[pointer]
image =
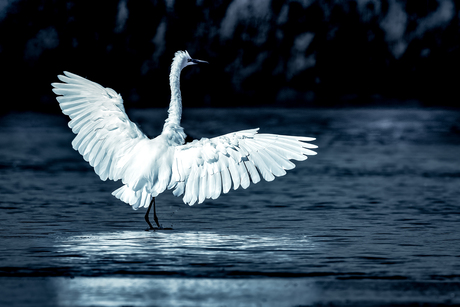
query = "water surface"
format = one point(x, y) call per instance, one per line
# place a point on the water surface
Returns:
point(380, 202)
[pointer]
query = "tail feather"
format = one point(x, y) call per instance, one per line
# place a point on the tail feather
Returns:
point(137, 199)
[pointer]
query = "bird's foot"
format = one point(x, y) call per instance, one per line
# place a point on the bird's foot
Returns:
point(159, 228)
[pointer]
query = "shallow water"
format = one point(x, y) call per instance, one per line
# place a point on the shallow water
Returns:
point(379, 202)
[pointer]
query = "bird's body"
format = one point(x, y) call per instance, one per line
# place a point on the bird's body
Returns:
point(117, 149)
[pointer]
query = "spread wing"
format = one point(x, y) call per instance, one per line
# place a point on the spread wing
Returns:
point(104, 132)
point(206, 168)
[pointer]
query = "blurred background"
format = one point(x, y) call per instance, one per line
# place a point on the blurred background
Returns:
point(304, 53)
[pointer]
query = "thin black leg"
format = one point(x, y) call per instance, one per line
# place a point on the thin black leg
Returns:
point(155, 214)
point(152, 202)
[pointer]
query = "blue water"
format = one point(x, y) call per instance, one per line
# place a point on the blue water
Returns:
point(380, 202)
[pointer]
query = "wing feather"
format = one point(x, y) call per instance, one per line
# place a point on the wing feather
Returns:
point(261, 166)
point(211, 186)
point(287, 154)
point(95, 152)
point(206, 168)
point(218, 188)
point(272, 165)
point(244, 175)
point(203, 187)
point(104, 132)
point(253, 173)
point(234, 174)
point(283, 162)
point(226, 180)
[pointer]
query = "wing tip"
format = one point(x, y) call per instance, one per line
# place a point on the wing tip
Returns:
point(69, 74)
point(305, 138)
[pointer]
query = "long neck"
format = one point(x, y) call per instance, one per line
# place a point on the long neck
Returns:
point(172, 130)
point(175, 106)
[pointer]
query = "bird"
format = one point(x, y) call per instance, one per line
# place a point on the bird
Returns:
point(197, 170)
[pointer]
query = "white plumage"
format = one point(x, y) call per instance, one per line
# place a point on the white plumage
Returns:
point(199, 170)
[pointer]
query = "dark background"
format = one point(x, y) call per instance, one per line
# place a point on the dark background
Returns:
point(270, 53)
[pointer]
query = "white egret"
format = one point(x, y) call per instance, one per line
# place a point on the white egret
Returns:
point(199, 170)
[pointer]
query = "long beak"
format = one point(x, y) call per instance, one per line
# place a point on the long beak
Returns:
point(199, 61)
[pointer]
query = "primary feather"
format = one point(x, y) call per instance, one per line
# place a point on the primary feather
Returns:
point(199, 170)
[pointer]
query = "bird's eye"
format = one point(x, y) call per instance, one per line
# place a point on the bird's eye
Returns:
point(189, 60)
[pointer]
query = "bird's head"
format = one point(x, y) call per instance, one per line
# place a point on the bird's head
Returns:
point(184, 59)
